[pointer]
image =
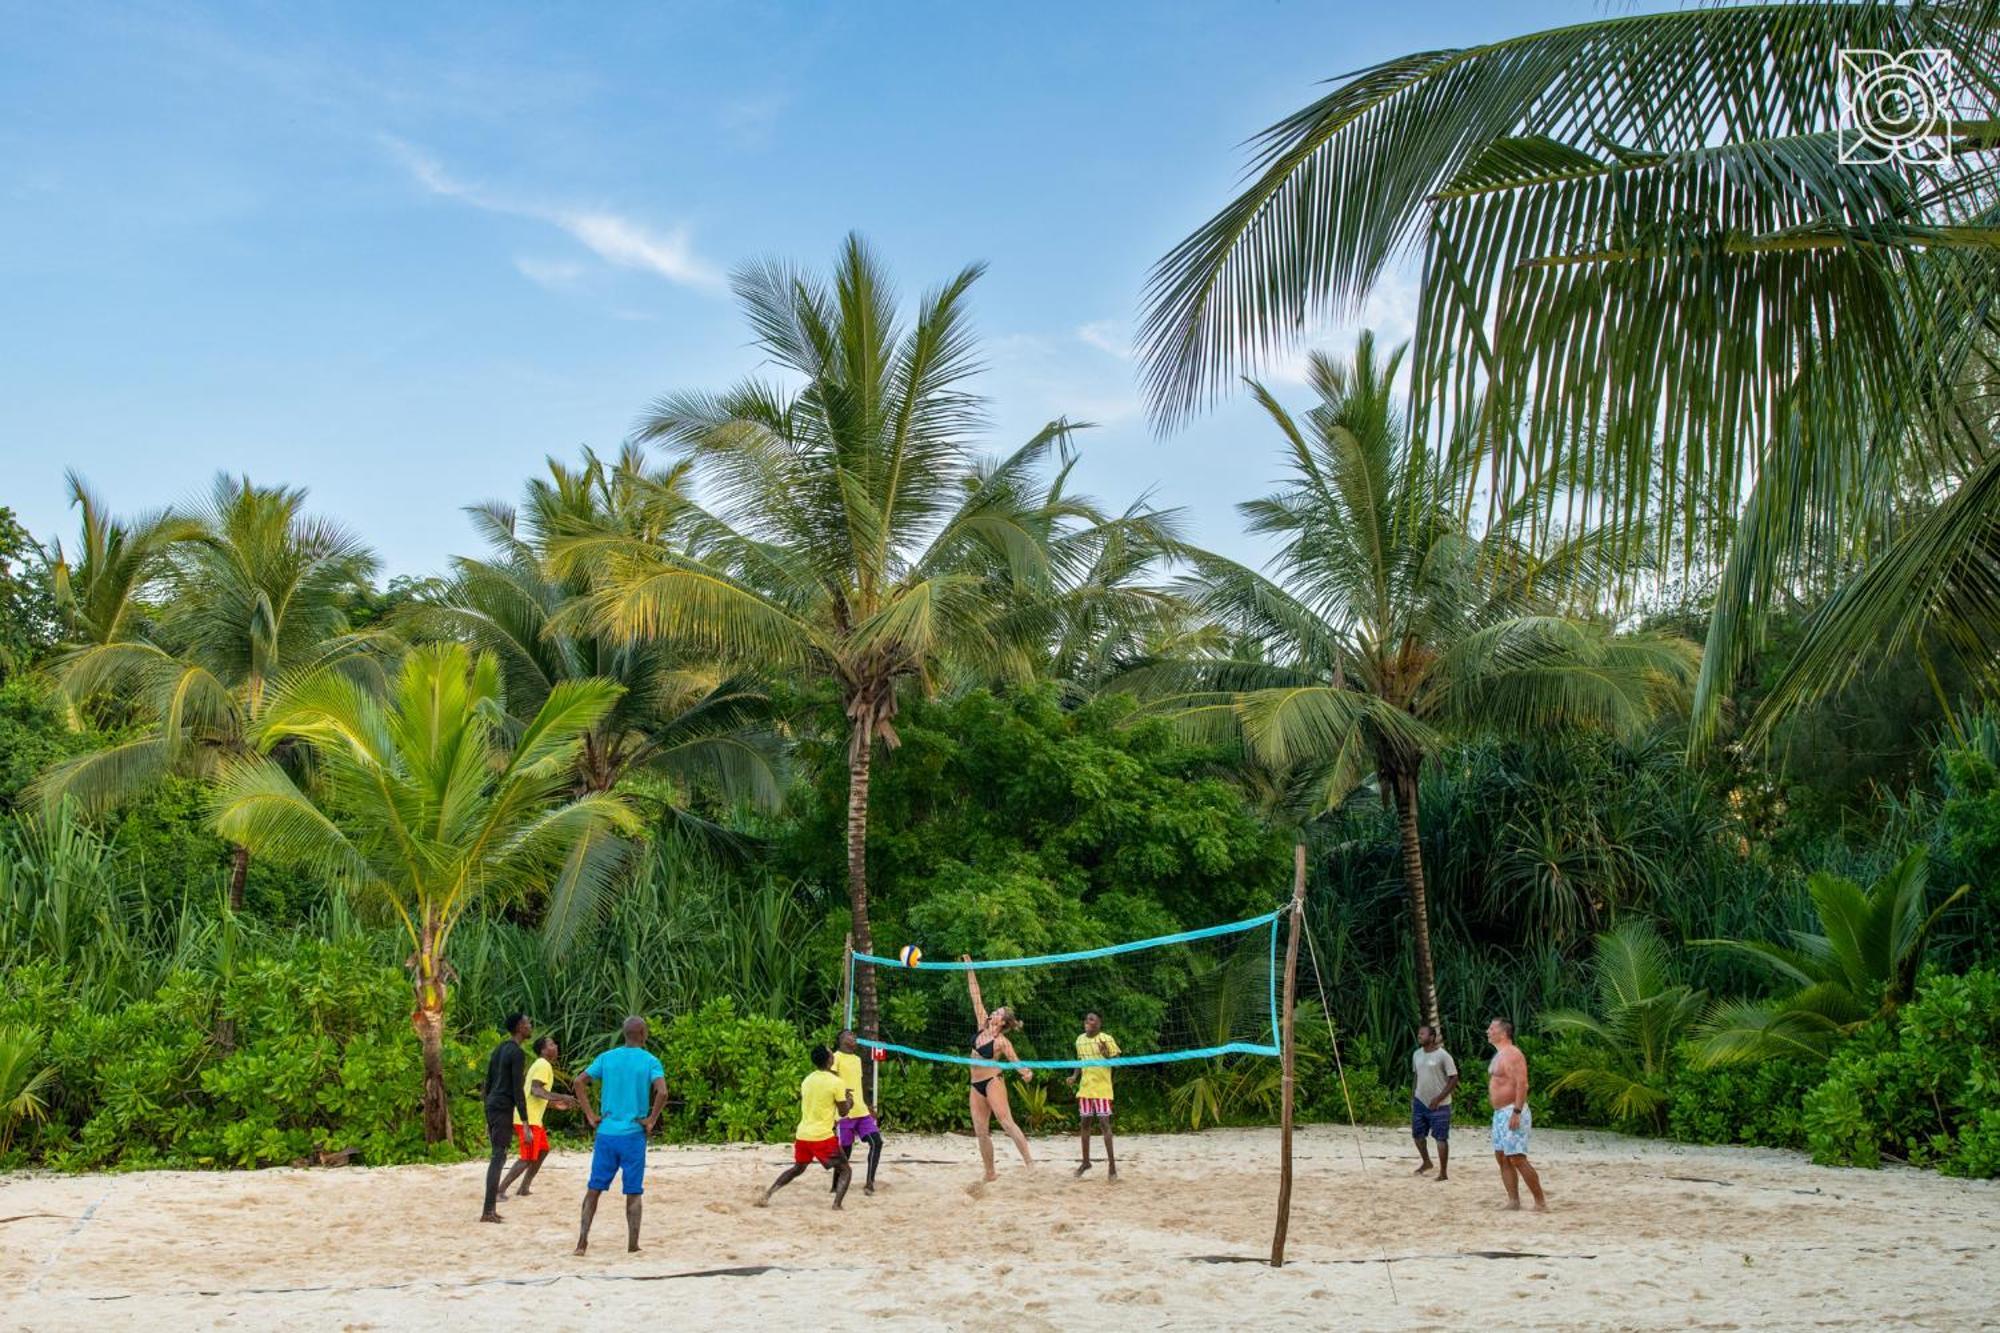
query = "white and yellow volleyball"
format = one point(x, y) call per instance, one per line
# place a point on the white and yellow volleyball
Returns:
point(910, 955)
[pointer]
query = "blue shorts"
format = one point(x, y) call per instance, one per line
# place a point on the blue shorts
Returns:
point(1511, 1142)
point(622, 1155)
point(1424, 1121)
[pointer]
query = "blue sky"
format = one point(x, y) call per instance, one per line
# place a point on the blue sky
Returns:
point(399, 253)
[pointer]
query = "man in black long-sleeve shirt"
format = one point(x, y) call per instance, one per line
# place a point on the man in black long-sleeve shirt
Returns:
point(505, 1094)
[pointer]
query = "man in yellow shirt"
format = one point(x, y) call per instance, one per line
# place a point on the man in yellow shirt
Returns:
point(822, 1101)
point(533, 1138)
point(1093, 1089)
point(857, 1122)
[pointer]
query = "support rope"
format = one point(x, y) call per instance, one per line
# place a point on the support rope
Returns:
point(1333, 1040)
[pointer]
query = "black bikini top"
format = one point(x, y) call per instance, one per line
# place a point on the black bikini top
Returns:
point(984, 1051)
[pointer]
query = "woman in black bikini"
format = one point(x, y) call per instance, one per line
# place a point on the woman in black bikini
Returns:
point(989, 1089)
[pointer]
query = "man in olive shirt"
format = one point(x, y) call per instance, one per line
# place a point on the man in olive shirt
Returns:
point(1430, 1105)
point(505, 1097)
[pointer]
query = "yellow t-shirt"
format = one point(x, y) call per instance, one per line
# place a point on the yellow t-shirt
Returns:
point(1096, 1080)
point(848, 1067)
point(539, 1070)
point(819, 1105)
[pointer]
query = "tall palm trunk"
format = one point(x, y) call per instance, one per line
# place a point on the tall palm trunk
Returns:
point(239, 870)
point(427, 979)
point(858, 755)
point(1403, 784)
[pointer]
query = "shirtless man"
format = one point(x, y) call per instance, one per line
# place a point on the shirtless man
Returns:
point(1507, 1090)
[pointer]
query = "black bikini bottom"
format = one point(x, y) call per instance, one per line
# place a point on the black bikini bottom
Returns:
point(979, 1085)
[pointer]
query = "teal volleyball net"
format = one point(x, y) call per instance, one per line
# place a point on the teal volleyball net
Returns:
point(1190, 996)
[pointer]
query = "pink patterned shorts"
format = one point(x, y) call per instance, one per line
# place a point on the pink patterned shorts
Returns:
point(1093, 1106)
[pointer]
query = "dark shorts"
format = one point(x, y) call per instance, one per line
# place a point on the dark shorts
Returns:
point(855, 1127)
point(1424, 1121)
point(621, 1155)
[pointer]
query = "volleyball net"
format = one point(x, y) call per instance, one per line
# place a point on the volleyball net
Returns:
point(1187, 996)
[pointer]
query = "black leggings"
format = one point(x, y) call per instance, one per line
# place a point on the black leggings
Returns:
point(500, 1130)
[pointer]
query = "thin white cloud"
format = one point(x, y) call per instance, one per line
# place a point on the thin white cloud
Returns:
point(1389, 309)
point(751, 122)
point(613, 238)
point(1110, 336)
point(548, 272)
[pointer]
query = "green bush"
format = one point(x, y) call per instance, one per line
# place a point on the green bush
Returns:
point(732, 1077)
point(1925, 1090)
point(301, 1052)
point(1760, 1104)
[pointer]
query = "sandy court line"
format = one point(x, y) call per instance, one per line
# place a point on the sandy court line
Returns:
point(1643, 1235)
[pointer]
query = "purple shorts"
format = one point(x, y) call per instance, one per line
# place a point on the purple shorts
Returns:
point(855, 1127)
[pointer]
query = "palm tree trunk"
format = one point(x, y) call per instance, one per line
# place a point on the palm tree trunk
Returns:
point(239, 869)
point(1404, 785)
point(858, 755)
point(428, 1020)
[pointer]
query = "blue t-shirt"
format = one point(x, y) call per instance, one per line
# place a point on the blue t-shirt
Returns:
point(624, 1076)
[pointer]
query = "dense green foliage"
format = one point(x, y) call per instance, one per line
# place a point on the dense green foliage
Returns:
point(269, 831)
point(1925, 1089)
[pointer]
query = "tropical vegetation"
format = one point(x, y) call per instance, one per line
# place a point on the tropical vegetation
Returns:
point(1678, 374)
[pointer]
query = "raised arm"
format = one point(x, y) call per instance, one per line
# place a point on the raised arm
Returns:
point(559, 1100)
point(972, 985)
point(1004, 1051)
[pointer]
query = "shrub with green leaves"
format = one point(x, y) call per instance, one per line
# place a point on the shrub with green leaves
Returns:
point(301, 1052)
point(1924, 1088)
point(731, 1077)
point(1761, 1104)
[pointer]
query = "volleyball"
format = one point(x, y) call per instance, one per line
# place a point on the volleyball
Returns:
point(910, 955)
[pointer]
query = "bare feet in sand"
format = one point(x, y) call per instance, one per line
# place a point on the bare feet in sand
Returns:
point(1420, 1170)
point(491, 1217)
point(581, 1248)
point(1084, 1168)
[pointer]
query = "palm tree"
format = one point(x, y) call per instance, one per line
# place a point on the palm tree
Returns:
point(101, 586)
point(848, 532)
point(254, 591)
point(418, 801)
point(1641, 242)
point(1627, 1047)
point(1860, 965)
point(24, 1082)
point(680, 715)
point(1391, 623)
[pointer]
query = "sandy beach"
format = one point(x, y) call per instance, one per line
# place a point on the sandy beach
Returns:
point(1641, 1235)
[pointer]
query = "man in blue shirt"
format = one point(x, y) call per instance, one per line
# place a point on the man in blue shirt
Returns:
point(626, 1073)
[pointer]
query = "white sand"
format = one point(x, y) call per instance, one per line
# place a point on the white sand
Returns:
point(1642, 1235)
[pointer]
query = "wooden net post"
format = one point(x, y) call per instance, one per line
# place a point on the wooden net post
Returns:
point(1298, 915)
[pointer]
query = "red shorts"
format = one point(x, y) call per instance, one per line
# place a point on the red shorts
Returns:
point(534, 1142)
point(822, 1151)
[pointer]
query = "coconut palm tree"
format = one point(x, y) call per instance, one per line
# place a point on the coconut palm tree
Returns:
point(681, 715)
point(1860, 965)
point(253, 590)
point(1625, 1050)
point(846, 530)
point(1643, 238)
point(100, 586)
point(1391, 623)
point(25, 1077)
point(420, 801)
